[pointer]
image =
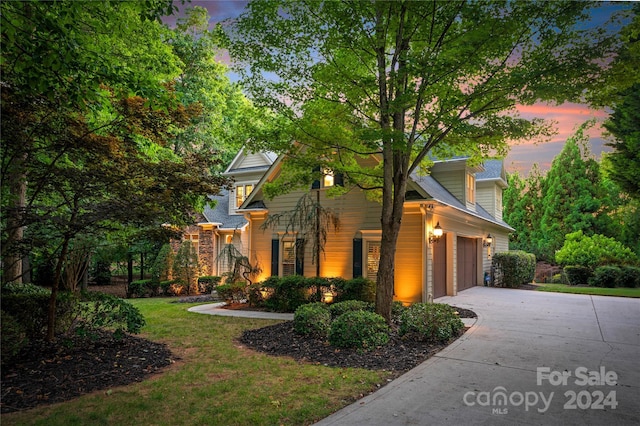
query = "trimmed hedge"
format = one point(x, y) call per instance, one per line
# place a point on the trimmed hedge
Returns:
point(208, 283)
point(312, 319)
point(513, 269)
point(604, 276)
point(577, 274)
point(360, 330)
point(431, 322)
point(31, 311)
point(629, 276)
point(355, 289)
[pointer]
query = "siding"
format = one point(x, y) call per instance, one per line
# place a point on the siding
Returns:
point(253, 160)
point(454, 181)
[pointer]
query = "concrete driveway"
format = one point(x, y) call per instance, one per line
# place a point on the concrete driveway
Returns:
point(532, 358)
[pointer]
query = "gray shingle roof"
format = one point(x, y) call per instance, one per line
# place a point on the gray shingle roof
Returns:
point(219, 214)
point(439, 193)
point(492, 170)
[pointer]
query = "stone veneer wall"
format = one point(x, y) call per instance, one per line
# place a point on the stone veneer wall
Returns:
point(206, 253)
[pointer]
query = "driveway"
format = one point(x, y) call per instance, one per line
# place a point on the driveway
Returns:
point(532, 358)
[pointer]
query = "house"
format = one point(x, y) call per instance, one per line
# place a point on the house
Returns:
point(462, 202)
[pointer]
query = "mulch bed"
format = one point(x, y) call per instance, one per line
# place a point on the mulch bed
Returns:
point(46, 373)
point(397, 356)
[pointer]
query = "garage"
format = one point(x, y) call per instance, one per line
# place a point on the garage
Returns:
point(467, 262)
point(440, 268)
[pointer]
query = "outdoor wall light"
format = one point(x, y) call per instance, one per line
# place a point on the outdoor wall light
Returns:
point(434, 236)
point(487, 242)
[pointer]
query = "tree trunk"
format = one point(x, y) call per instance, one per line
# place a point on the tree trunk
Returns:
point(15, 231)
point(51, 317)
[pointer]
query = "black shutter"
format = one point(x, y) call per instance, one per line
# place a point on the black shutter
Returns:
point(338, 179)
point(299, 256)
point(316, 183)
point(275, 257)
point(357, 257)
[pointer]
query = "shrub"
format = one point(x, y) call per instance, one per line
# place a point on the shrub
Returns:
point(287, 293)
point(355, 289)
point(397, 308)
point(30, 308)
point(317, 287)
point(312, 319)
point(254, 295)
point(99, 310)
point(186, 266)
point(208, 283)
point(140, 288)
point(163, 264)
point(557, 279)
point(360, 330)
point(340, 308)
point(13, 337)
point(165, 287)
point(232, 292)
point(513, 268)
point(630, 276)
point(593, 251)
point(577, 274)
point(431, 322)
point(606, 276)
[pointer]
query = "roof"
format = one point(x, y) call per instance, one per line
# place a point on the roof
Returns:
point(219, 214)
point(492, 170)
point(439, 193)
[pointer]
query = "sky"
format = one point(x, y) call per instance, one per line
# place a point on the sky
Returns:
point(567, 117)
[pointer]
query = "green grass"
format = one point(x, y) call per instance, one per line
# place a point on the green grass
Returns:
point(598, 291)
point(215, 381)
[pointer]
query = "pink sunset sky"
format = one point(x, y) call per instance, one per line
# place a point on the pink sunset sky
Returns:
point(566, 117)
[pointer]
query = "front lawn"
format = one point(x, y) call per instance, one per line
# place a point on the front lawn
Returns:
point(598, 291)
point(215, 381)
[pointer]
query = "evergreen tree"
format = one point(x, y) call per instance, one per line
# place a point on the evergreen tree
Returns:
point(186, 266)
point(572, 190)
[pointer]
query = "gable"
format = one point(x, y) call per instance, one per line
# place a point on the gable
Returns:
point(246, 162)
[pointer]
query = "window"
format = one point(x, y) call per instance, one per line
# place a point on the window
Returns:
point(288, 258)
point(194, 238)
point(242, 192)
point(228, 239)
point(373, 259)
point(471, 188)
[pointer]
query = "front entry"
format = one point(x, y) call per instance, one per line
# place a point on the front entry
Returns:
point(467, 263)
point(440, 268)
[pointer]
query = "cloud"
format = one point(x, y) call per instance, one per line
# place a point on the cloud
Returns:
point(567, 118)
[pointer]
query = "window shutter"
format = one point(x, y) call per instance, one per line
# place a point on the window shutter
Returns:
point(357, 257)
point(316, 183)
point(338, 179)
point(299, 256)
point(275, 253)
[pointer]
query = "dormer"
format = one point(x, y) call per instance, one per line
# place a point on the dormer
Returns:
point(490, 184)
point(246, 170)
point(459, 179)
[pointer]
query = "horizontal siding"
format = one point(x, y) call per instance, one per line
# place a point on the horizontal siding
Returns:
point(454, 181)
point(408, 266)
point(253, 160)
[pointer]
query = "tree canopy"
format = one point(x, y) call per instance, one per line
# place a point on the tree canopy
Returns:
point(403, 81)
